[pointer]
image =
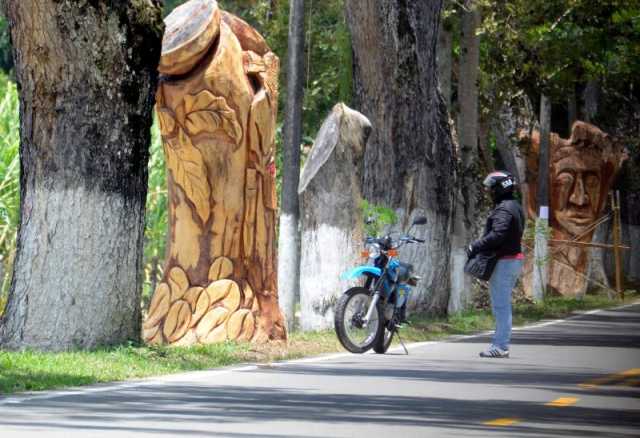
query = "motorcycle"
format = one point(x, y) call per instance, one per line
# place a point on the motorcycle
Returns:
point(369, 316)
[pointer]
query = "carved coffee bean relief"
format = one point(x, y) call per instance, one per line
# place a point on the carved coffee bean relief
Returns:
point(201, 307)
point(192, 295)
point(220, 269)
point(211, 320)
point(179, 283)
point(159, 305)
point(177, 321)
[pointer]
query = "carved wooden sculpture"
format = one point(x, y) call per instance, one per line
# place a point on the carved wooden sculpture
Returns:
point(217, 106)
point(332, 230)
point(581, 173)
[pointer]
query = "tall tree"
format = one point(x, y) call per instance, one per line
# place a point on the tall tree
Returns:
point(409, 162)
point(445, 56)
point(467, 196)
point(541, 249)
point(86, 73)
point(289, 238)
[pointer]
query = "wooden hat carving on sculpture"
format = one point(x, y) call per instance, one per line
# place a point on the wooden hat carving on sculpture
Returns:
point(217, 105)
point(191, 29)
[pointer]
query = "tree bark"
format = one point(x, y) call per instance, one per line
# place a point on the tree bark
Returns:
point(331, 220)
point(289, 238)
point(591, 98)
point(86, 72)
point(508, 124)
point(467, 204)
point(409, 164)
point(572, 111)
point(541, 246)
point(468, 98)
point(445, 61)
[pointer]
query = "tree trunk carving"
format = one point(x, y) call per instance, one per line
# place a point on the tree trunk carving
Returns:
point(217, 106)
point(331, 213)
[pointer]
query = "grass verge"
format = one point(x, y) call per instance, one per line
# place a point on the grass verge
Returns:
point(35, 371)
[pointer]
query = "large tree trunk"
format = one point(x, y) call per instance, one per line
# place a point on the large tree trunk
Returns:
point(409, 163)
point(331, 220)
point(541, 245)
point(445, 60)
point(289, 238)
point(86, 72)
point(591, 98)
point(217, 108)
point(467, 202)
point(508, 124)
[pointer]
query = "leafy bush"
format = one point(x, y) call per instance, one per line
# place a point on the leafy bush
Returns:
point(376, 218)
point(9, 181)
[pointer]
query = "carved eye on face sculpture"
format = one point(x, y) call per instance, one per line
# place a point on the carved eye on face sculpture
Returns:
point(592, 187)
point(564, 184)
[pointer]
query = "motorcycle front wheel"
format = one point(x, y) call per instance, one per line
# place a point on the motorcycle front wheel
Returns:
point(352, 332)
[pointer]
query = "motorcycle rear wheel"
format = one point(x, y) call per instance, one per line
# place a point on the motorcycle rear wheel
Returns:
point(383, 342)
point(351, 309)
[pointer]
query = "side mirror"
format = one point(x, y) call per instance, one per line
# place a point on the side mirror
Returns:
point(420, 220)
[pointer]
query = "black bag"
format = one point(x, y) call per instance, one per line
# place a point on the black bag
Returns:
point(481, 265)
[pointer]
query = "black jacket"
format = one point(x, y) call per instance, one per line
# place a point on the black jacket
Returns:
point(503, 230)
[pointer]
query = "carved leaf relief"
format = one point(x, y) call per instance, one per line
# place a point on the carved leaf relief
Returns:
point(205, 112)
point(271, 76)
point(189, 172)
point(167, 122)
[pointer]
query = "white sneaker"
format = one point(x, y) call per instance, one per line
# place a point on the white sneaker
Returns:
point(495, 353)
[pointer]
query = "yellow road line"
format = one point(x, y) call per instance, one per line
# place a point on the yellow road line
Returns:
point(616, 378)
point(633, 372)
point(563, 402)
point(502, 422)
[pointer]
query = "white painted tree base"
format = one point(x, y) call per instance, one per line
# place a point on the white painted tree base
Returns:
point(329, 252)
point(288, 274)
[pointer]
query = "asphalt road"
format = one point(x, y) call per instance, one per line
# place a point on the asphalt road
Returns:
point(576, 378)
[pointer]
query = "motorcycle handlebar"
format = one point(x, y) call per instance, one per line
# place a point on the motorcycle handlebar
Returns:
point(387, 243)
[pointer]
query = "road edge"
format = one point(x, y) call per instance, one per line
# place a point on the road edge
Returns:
point(186, 376)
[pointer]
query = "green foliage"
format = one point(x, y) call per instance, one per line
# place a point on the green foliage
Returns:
point(36, 371)
point(9, 182)
point(156, 224)
point(553, 46)
point(376, 218)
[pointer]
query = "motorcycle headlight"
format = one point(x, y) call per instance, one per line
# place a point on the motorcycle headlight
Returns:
point(374, 250)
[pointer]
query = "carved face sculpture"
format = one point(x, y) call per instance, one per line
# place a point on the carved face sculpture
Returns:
point(576, 185)
point(581, 172)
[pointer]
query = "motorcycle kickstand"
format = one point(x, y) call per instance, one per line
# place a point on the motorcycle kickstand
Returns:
point(402, 343)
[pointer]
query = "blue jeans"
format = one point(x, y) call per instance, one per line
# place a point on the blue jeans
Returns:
point(501, 284)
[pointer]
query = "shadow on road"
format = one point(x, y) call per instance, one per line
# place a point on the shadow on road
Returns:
point(166, 407)
point(191, 409)
point(606, 329)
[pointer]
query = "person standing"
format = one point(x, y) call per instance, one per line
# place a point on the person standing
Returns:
point(502, 236)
